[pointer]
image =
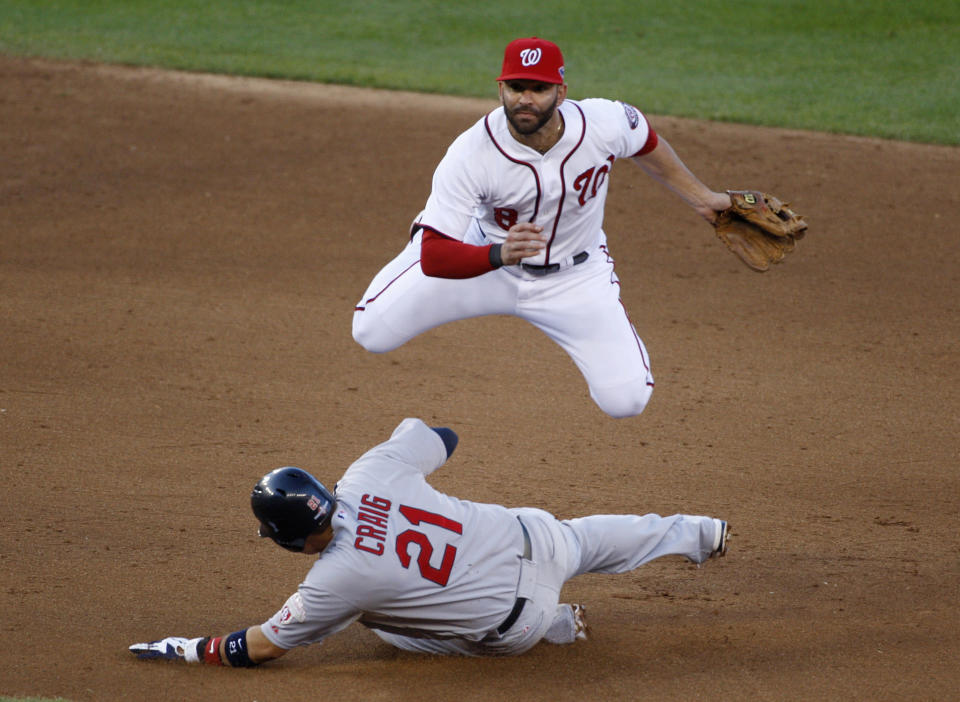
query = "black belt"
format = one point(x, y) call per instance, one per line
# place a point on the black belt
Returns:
point(521, 601)
point(553, 267)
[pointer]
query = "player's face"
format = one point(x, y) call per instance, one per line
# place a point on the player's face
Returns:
point(529, 104)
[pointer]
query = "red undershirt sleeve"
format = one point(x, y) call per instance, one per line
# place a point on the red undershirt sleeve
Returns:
point(443, 257)
point(651, 143)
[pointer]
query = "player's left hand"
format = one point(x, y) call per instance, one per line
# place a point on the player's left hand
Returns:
point(523, 240)
point(171, 648)
point(711, 210)
point(759, 228)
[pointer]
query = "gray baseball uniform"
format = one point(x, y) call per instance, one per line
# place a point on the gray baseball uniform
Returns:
point(433, 573)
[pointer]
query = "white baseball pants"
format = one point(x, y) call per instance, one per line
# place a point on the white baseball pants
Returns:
point(578, 307)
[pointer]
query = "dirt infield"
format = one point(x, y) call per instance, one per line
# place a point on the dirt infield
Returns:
point(179, 261)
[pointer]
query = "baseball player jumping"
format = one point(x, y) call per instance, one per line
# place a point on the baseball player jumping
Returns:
point(429, 572)
point(513, 225)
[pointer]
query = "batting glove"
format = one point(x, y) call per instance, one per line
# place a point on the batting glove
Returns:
point(172, 648)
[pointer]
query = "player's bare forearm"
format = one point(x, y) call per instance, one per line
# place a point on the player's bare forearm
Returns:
point(523, 241)
point(260, 647)
point(663, 165)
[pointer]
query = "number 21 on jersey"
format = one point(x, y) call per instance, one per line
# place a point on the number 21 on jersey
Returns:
point(417, 516)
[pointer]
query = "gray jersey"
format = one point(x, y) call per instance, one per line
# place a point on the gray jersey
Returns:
point(404, 557)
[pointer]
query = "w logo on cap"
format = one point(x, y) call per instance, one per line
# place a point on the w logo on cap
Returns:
point(530, 57)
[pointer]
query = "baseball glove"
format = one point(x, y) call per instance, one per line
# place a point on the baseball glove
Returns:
point(759, 228)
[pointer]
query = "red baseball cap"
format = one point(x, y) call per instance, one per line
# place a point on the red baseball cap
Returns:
point(532, 58)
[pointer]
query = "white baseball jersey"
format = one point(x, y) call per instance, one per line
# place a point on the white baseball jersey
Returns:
point(405, 557)
point(486, 183)
point(488, 175)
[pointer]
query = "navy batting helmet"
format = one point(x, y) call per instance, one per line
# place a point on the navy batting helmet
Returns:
point(291, 504)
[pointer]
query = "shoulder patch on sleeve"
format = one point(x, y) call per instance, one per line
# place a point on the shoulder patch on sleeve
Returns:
point(633, 115)
point(293, 610)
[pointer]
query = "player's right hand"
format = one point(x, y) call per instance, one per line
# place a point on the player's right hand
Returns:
point(171, 648)
point(524, 240)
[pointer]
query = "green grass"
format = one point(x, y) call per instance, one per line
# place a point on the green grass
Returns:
point(887, 68)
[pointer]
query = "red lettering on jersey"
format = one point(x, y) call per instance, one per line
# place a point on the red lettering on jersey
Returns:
point(373, 518)
point(438, 575)
point(360, 546)
point(364, 530)
point(380, 503)
point(601, 176)
point(580, 184)
point(374, 510)
point(506, 217)
point(416, 516)
point(591, 180)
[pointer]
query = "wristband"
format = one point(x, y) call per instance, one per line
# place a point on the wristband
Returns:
point(495, 259)
point(211, 650)
point(236, 650)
